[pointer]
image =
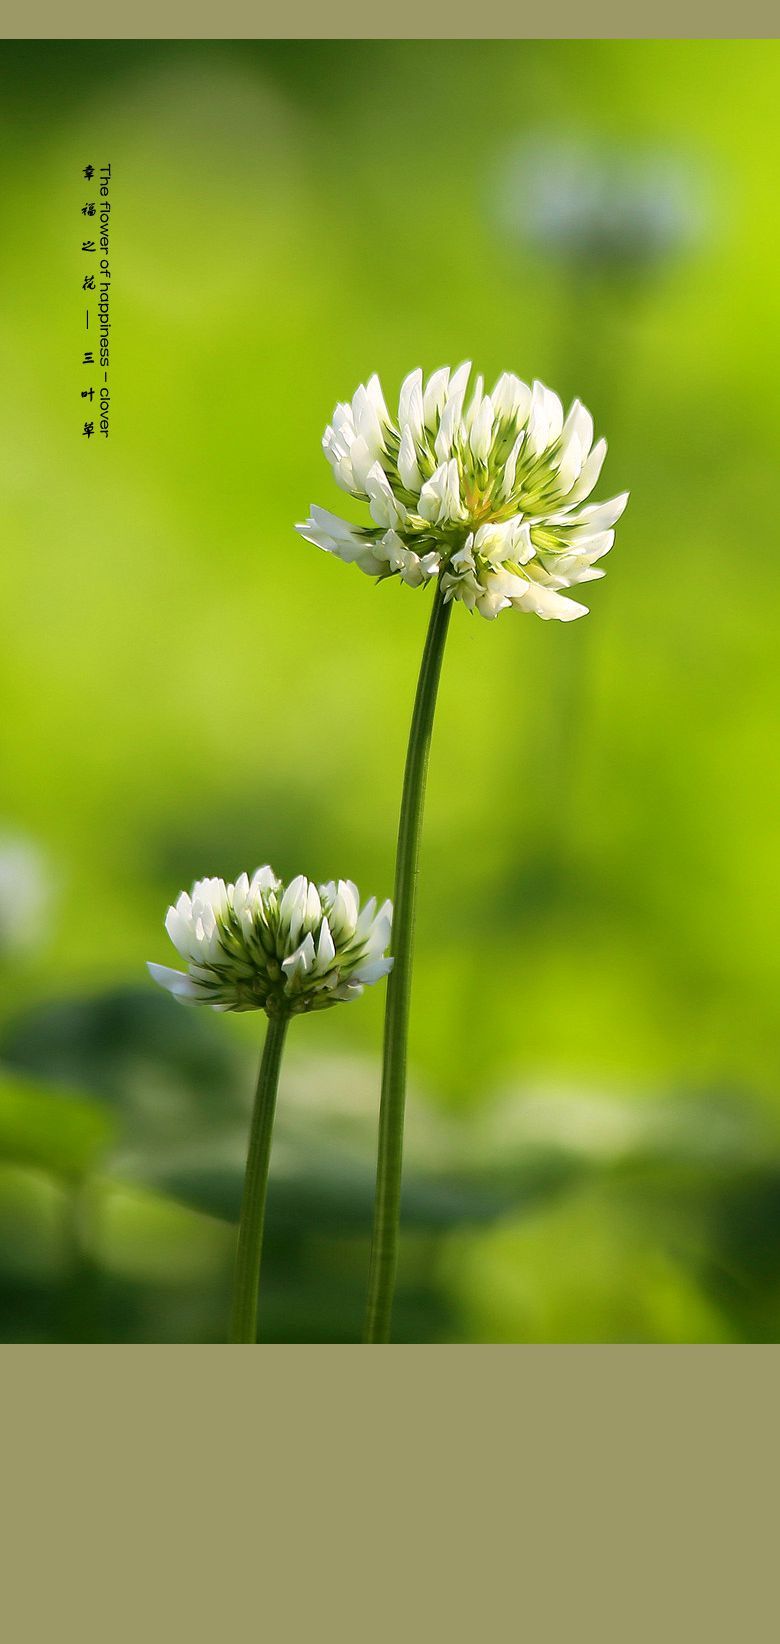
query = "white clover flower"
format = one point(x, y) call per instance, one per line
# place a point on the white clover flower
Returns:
point(486, 495)
point(257, 945)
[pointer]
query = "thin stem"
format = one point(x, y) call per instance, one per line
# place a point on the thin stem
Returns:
point(387, 1204)
point(250, 1228)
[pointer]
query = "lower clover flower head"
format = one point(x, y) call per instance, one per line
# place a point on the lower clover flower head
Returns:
point(486, 495)
point(258, 945)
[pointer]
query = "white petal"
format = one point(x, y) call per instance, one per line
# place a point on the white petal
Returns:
point(410, 405)
point(452, 413)
point(372, 971)
point(247, 924)
point(407, 462)
point(400, 560)
point(368, 424)
point(440, 501)
point(545, 420)
point(378, 939)
point(343, 425)
point(313, 912)
point(344, 915)
point(590, 473)
point(181, 932)
point(448, 427)
point(491, 603)
point(301, 961)
point(181, 986)
point(240, 892)
point(596, 517)
point(386, 510)
point(363, 458)
point(331, 532)
point(592, 548)
point(579, 422)
point(366, 917)
point(547, 603)
point(435, 395)
point(521, 548)
point(569, 464)
point(589, 573)
point(337, 537)
point(481, 436)
point(264, 879)
point(507, 483)
point(337, 443)
point(459, 382)
point(326, 947)
point(293, 906)
point(511, 398)
point(377, 398)
point(475, 403)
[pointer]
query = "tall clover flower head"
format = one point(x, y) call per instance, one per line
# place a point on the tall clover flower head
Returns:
point(261, 945)
point(486, 491)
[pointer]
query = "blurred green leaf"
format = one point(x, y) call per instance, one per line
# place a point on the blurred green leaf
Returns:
point(113, 1041)
point(145, 1236)
point(33, 1215)
point(582, 1272)
point(57, 1130)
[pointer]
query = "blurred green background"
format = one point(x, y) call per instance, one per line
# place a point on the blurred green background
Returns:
point(189, 689)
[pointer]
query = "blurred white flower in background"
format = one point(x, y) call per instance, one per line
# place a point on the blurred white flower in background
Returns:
point(622, 211)
point(488, 494)
point(26, 894)
point(258, 945)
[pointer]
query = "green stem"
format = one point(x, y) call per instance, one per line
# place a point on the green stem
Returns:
point(387, 1204)
point(250, 1228)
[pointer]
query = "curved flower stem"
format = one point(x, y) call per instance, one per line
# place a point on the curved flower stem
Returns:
point(387, 1204)
point(243, 1326)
